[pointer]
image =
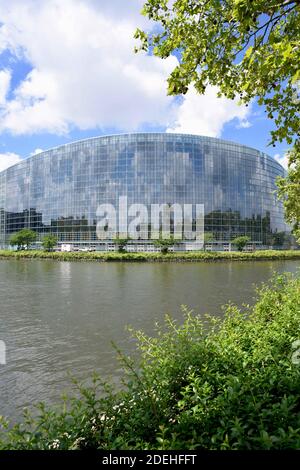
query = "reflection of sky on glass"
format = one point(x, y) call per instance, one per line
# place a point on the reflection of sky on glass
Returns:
point(69, 182)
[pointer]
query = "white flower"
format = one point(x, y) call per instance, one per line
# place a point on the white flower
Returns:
point(55, 444)
point(76, 442)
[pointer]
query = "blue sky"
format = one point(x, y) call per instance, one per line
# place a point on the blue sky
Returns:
point(68, 72)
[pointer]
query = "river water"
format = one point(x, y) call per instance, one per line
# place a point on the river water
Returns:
point(59, 318)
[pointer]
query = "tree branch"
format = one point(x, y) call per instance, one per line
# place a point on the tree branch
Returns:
point(266, 25)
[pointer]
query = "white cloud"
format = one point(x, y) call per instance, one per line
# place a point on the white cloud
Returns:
point(36, 152)
point(244, 123)
point(8, 159)
point(5, 77)
point(84, 71)
point(282, 159)
point(206, 114)
point(85, 74)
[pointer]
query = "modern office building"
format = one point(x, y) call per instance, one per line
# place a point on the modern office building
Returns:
point(59, 191)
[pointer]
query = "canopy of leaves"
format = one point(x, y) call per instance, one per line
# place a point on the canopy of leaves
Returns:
point(164, 244)
point(289, 190)
point(23, 238)
point(240, 242)
point(49, 242)
point(121, 243)
point(208, 237)
point(246, 48)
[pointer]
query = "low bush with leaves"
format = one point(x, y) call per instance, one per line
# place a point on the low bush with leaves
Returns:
point(208, 383)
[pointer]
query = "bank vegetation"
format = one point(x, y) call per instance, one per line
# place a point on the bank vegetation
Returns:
point(156, 256)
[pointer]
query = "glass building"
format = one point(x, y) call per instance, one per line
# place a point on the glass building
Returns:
point(58, 191)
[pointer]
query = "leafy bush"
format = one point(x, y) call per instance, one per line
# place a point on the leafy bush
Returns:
point(205, 384)
point(121, 244)
point(165, 244)
point(240, 242)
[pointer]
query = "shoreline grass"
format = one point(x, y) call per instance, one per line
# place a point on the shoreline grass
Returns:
point(203, 256)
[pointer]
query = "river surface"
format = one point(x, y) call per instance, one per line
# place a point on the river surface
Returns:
point(59, 318)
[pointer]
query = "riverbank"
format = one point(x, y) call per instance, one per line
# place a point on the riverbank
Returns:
point(153, 257)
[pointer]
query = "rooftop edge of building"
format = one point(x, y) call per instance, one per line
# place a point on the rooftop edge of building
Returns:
point(144, 134)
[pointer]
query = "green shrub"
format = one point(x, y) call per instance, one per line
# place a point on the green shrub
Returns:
point(208, 383)
point(240, 242)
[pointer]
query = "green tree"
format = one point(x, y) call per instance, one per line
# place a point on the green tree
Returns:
point(121, 244)
point(289, 191)
point(278, 238)
point(249, 49)
point(208, 238)
point(15, 240)
point(23, 238)
point(240, 242)
point(164, 244)
point(49, 242)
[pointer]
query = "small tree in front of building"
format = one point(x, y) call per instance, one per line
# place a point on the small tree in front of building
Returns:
point(240, 242)
point(49, 241)
point(164, 244)
point(121, 244)
point(208, 238)
point(278, 239)
point(23, 238)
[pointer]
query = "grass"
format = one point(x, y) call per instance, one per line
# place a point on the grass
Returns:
point(142, 256)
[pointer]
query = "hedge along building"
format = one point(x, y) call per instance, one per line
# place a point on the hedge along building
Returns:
point(65, 190)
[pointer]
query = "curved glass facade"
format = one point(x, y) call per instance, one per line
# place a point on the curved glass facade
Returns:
point(58, 191)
